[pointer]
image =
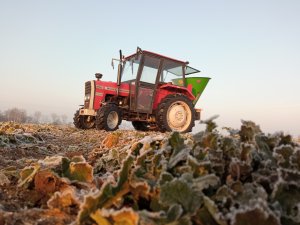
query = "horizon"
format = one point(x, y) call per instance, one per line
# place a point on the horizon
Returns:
point(250, 51)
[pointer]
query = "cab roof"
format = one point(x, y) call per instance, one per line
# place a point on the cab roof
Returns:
point(155, 55)
point(174, 67)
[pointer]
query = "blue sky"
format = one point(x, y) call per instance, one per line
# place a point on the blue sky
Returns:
point(250, 49)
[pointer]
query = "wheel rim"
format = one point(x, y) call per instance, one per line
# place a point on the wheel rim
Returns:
point(179, 116)
point(112, 120)
point(89, 122)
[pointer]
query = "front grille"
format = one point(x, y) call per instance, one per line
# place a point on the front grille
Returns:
point(87, 92)
point(88, 87)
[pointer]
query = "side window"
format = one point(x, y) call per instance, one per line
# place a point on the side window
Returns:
point(150, 69)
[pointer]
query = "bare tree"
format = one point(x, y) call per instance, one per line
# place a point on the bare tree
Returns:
point(29, 119)
point(55, 119)
point(45, 119)
point(64, 118)
point(37, 117)
point(2, 117)
point(16, 115)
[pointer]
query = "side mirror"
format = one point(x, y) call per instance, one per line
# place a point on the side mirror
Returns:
point(98, 76)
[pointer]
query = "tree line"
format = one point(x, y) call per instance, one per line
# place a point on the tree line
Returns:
point(21, 116)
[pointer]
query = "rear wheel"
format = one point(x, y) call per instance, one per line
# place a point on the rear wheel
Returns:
point(108, 117)
point(83, 122)
point(176, 113)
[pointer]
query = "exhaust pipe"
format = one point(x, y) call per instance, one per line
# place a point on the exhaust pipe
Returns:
point(119, 70)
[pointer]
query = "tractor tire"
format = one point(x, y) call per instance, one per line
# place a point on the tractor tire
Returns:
point(175, 113)
point(140, 125)
point(77, 121)
point(83, 122)
point(108, 117)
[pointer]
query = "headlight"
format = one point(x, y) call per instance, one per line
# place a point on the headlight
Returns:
point(87, 97)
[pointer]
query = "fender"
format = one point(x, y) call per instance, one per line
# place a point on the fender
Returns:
point(167, 89)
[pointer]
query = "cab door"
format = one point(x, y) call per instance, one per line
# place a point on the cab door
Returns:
point(146, 84)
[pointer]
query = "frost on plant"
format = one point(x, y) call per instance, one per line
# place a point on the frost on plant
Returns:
point(244, 178)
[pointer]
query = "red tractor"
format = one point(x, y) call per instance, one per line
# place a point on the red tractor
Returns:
point(152, 91)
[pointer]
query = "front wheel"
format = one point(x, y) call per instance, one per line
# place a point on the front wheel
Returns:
point(83, 122)
point(108, 117)
point(176, 113)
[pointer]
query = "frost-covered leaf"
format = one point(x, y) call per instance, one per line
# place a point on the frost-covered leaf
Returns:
point(81, 172)
point(245, 193)
point(178, 157)
point(111, 140)
point(140, 189)
point(245, 153)
point(210, 124)
point(27, 174)
point(199, 152)
point(165, 177)
point(206, 181)
point(239, 170)
point(99, 218)
point(135, 148)
point(288, 196)
point(217, 161)
point(204, 217)
point(283, 153)
point(179, 150)
point(264, 149)
point(51, 161)
point(3, 179)
point(248, 131)
point(125, 216)
point(212, 208)
point(77, 169)
point(178, 191)
point(176, 142)
point(257, 212)
point(109, 194)
point(295, 159)
point(174, 212)
point(163, 218)
point(64, 200)
point(45, 181)
point(199, 168)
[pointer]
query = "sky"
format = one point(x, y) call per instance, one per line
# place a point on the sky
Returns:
point(249, 49)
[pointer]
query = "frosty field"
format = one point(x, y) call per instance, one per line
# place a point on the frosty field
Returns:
point(61, 175)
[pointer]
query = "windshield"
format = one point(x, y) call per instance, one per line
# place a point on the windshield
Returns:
point(170, 71)
point(130, 69)
point(178, 70)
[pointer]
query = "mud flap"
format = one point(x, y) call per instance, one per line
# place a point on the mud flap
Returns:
point(198, 114)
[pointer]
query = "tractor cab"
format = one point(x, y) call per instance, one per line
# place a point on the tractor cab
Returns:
point(152, 91)
point(146, 72)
